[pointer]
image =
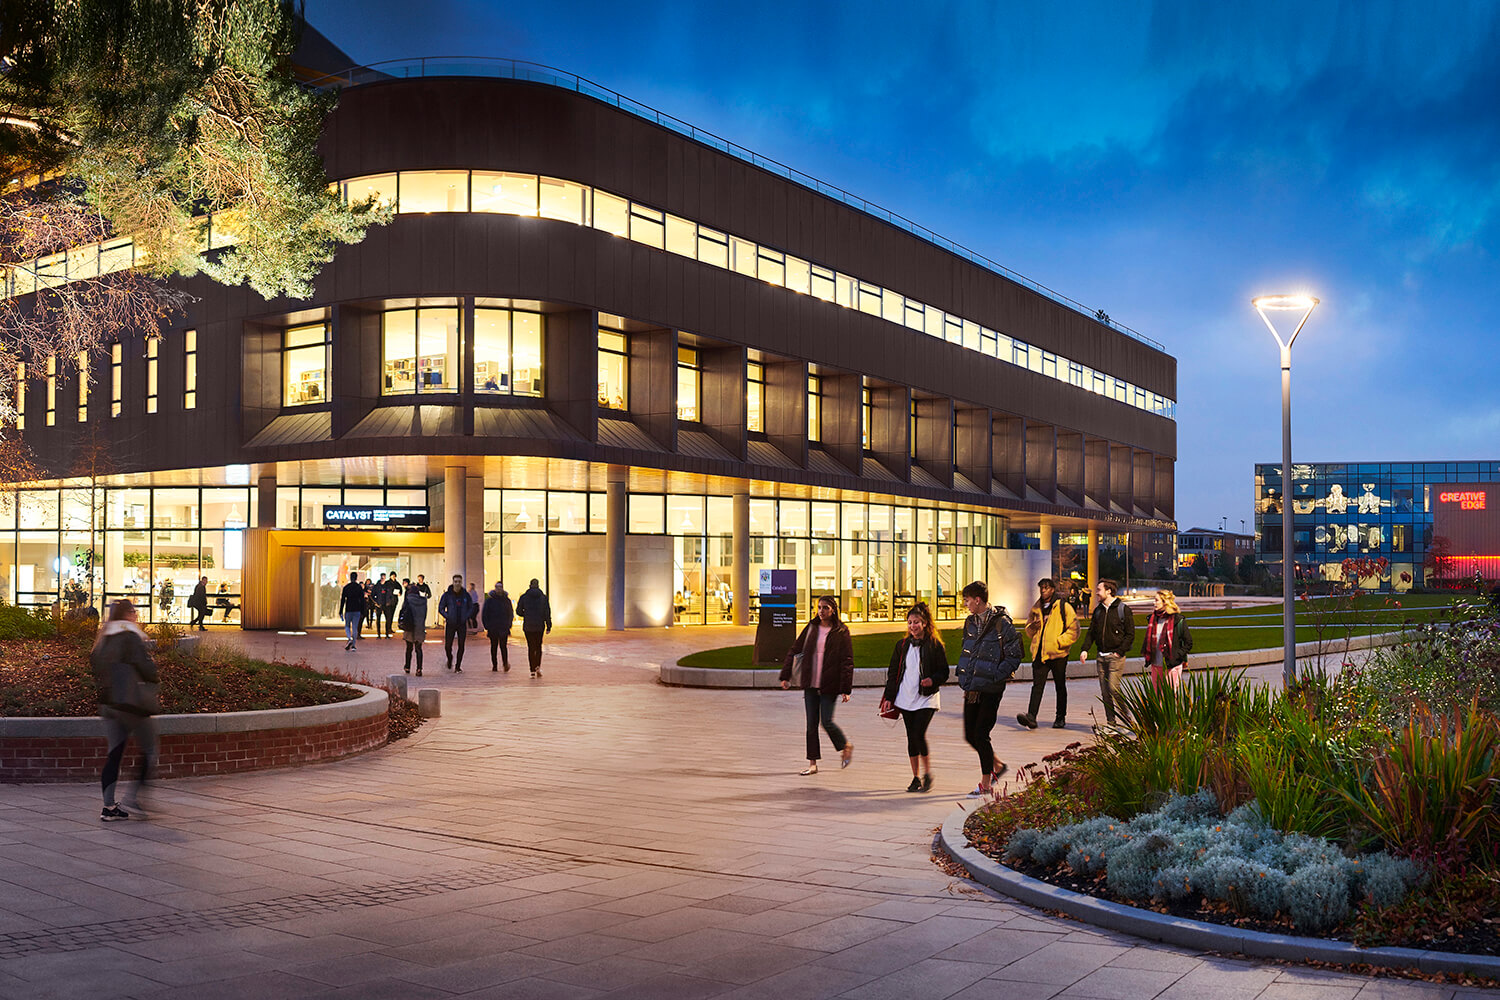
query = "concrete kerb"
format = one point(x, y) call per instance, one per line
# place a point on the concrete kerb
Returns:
point(370, 703)
point(766, 677)
point(1192, 933)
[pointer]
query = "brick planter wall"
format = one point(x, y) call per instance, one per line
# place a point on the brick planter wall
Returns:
point(35, 750)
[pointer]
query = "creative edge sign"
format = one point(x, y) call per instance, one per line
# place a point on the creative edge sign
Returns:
point(377, 517)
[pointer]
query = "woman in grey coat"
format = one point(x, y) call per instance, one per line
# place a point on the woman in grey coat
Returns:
point(413, 623)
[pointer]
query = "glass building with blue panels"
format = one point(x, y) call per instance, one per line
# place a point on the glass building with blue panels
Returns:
point(1359, 510)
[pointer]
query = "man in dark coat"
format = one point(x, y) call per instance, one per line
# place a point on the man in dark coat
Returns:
point(536, 619)
point(455, 608)
point(352, 608)
point(497, 617)
point(198, 602)
point(1112, 632)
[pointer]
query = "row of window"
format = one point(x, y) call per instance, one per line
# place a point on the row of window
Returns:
point(81, 373)
point(412, 192)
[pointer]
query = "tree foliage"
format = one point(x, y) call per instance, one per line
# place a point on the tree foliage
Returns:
point(169, 109)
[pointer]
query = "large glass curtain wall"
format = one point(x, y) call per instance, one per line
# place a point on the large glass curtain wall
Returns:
point(878, 558)
point(73, 547)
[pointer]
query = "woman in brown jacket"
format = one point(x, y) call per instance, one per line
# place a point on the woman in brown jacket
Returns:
point(827, 673)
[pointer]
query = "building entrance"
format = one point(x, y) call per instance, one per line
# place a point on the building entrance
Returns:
point(324, 575)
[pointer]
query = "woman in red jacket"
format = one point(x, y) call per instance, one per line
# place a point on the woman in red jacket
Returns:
point(827, 672)
point(1168, 641)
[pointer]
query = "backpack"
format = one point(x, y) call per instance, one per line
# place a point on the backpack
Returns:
point(987, 663)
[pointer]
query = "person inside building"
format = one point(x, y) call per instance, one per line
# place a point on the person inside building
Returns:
point(198, 604)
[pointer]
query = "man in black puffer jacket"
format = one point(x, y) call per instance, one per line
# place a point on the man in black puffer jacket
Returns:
point(1112, 632)
point(991, 654)
point(125, 679)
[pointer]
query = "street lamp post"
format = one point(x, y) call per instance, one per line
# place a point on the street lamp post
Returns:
point(1290, 305)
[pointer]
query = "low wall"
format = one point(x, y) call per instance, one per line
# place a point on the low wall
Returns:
point(72, 749)
point(766, 677)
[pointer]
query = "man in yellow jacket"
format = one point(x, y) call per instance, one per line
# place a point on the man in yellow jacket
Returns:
point(1052, 629)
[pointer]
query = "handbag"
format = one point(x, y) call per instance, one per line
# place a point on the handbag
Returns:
point(797, 670)
point(129, 693)
point(889, 711)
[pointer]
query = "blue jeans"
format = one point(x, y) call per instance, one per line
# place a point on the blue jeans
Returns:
point(820, 709)
point(352, 620)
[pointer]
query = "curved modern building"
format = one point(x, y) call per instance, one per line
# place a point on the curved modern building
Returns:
point(601, 349)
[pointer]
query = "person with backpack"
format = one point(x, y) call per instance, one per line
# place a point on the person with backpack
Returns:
point(1168, 641)
point(919, 666)
point(1112, 633)
point(125, 679)
point(991, 654)
point(1052, 629)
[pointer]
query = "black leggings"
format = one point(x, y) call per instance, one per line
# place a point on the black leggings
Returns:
point(820, 709)
point(916, 730)
point(979, 719)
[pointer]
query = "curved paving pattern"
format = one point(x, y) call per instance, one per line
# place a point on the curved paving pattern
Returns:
point(592, 833)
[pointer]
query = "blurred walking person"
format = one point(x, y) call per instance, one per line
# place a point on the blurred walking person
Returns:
point(991, 655)
point(198, 602)
point(125, 680)
point(826, 669)
point(919, 666)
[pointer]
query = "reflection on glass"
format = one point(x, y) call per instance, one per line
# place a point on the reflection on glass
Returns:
point(507, 194)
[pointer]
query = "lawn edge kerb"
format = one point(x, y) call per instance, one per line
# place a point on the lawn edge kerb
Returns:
point(1191, 933)
point(674, 673)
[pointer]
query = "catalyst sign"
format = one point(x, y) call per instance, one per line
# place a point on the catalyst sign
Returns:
point(377, 517)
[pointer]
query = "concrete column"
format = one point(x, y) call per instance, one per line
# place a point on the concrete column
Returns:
point(455, 523)
point(265, 502)
point(1045, 532)
point(1093, 564)
point(615, 499)
point(739, 572)
point(474, 534)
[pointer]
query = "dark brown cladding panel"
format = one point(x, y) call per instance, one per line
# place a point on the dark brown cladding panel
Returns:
point(533, 128)
point(556, 262)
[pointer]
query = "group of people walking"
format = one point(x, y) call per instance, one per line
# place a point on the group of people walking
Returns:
point(821, 664)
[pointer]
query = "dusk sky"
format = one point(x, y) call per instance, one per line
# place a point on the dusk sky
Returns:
point(1164, 162)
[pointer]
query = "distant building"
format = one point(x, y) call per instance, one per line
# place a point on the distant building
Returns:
point(1211, 544)
point(1428, 520)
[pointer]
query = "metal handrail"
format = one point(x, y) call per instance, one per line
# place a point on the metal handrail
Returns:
point(520, 69)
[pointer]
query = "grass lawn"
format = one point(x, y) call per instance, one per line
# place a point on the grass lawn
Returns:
point(1213, 631)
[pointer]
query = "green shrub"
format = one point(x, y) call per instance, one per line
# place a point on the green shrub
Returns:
point(18, 623)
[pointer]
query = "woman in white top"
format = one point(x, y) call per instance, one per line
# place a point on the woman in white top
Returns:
point(919, 666)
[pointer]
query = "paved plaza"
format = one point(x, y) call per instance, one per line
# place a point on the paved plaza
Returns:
point(588, 834)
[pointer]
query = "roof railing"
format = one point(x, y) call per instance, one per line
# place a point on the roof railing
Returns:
point(518, 69)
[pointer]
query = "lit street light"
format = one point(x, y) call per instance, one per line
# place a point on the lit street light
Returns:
point(1290, 305)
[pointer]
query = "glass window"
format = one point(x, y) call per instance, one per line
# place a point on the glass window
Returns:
point(436, 191)
point(523, 510)
point(814, 408)
point(526, 353)
point(304, 364)
point(713, 247)
point(611, 213)
point(682, 238)
point(82, 364)
point(892, 307)
point(689, 377)
point(742, 256)
point(614, 371)
point(721, 515)
point(854, 521)
point(646, 514)
point(381, 187)
point(755, 397)
point(506, 194)
point(52, 390)
point(866, 417)
point(869, 298)
point(421, 350)
point(567, 512)
point(793, 514)
point(771, 266)
point(685, 515)
point(561, 200)
point(647, 226)
point(116, 255)
point(116, 381)
point(822, 283)
point(953, 329)
point(798, 275)
point(762, 517)
point(492, 350)
point(20, 395)
point(153, 351)
point(825, 520)
point(190, 359)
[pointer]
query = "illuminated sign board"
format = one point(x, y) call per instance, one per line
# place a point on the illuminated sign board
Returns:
point(1466, 499)
point(377, 517)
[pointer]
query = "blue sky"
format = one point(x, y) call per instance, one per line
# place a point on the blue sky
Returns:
point(1162, 161)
